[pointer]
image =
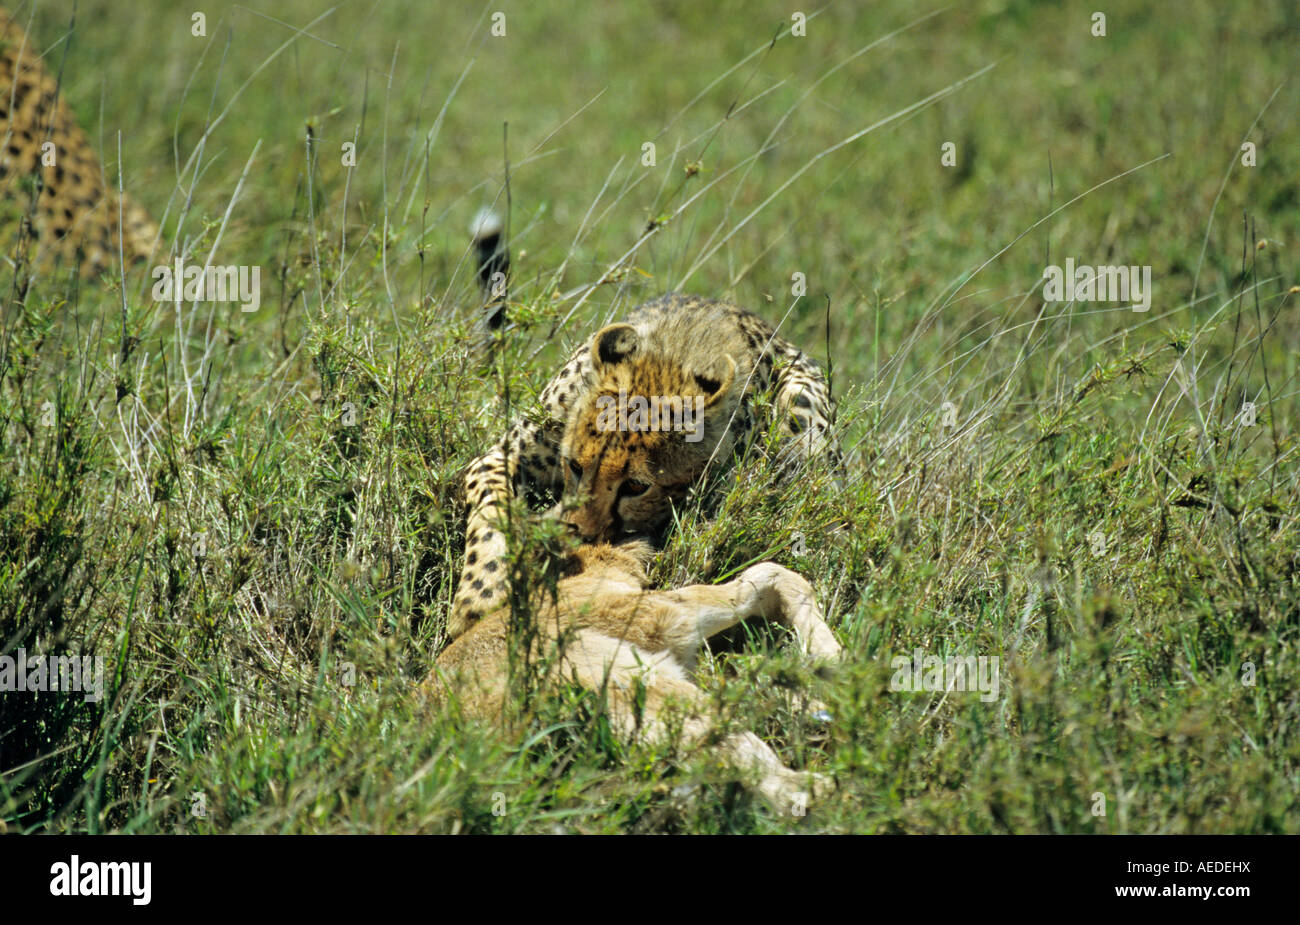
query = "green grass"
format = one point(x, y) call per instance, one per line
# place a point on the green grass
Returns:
point(330, 552)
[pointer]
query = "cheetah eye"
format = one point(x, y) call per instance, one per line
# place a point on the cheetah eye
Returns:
point(575, 468)
point(632, 489)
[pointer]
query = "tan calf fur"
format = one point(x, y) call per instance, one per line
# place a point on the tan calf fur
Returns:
point(615, 632)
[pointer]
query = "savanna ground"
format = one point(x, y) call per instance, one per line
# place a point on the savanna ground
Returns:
point(255, 518)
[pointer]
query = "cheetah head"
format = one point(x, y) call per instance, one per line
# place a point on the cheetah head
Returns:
point(643, 434)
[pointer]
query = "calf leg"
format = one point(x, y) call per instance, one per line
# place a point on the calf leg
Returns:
point(643, 689)
point(776, 593)
point(766, 590)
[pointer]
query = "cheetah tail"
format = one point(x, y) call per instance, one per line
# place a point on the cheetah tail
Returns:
point(488, 232)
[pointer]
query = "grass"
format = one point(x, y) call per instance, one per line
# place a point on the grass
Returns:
point(255, 517)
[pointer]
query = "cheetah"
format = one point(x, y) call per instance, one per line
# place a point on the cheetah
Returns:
point(50, 170)
point(639, 647)
point(683, 346)
point(615, 482)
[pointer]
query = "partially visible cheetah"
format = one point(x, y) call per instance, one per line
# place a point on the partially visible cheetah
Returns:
point(624, 481)
point(49, 168)
point(639, 647)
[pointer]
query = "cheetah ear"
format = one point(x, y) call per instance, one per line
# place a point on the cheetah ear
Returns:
point(716, 388)
point(613, 344)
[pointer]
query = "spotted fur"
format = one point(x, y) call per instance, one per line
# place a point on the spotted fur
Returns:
point(75, 215)
point(622, 483)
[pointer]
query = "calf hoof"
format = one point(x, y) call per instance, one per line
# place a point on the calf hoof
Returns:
point(798, 791)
